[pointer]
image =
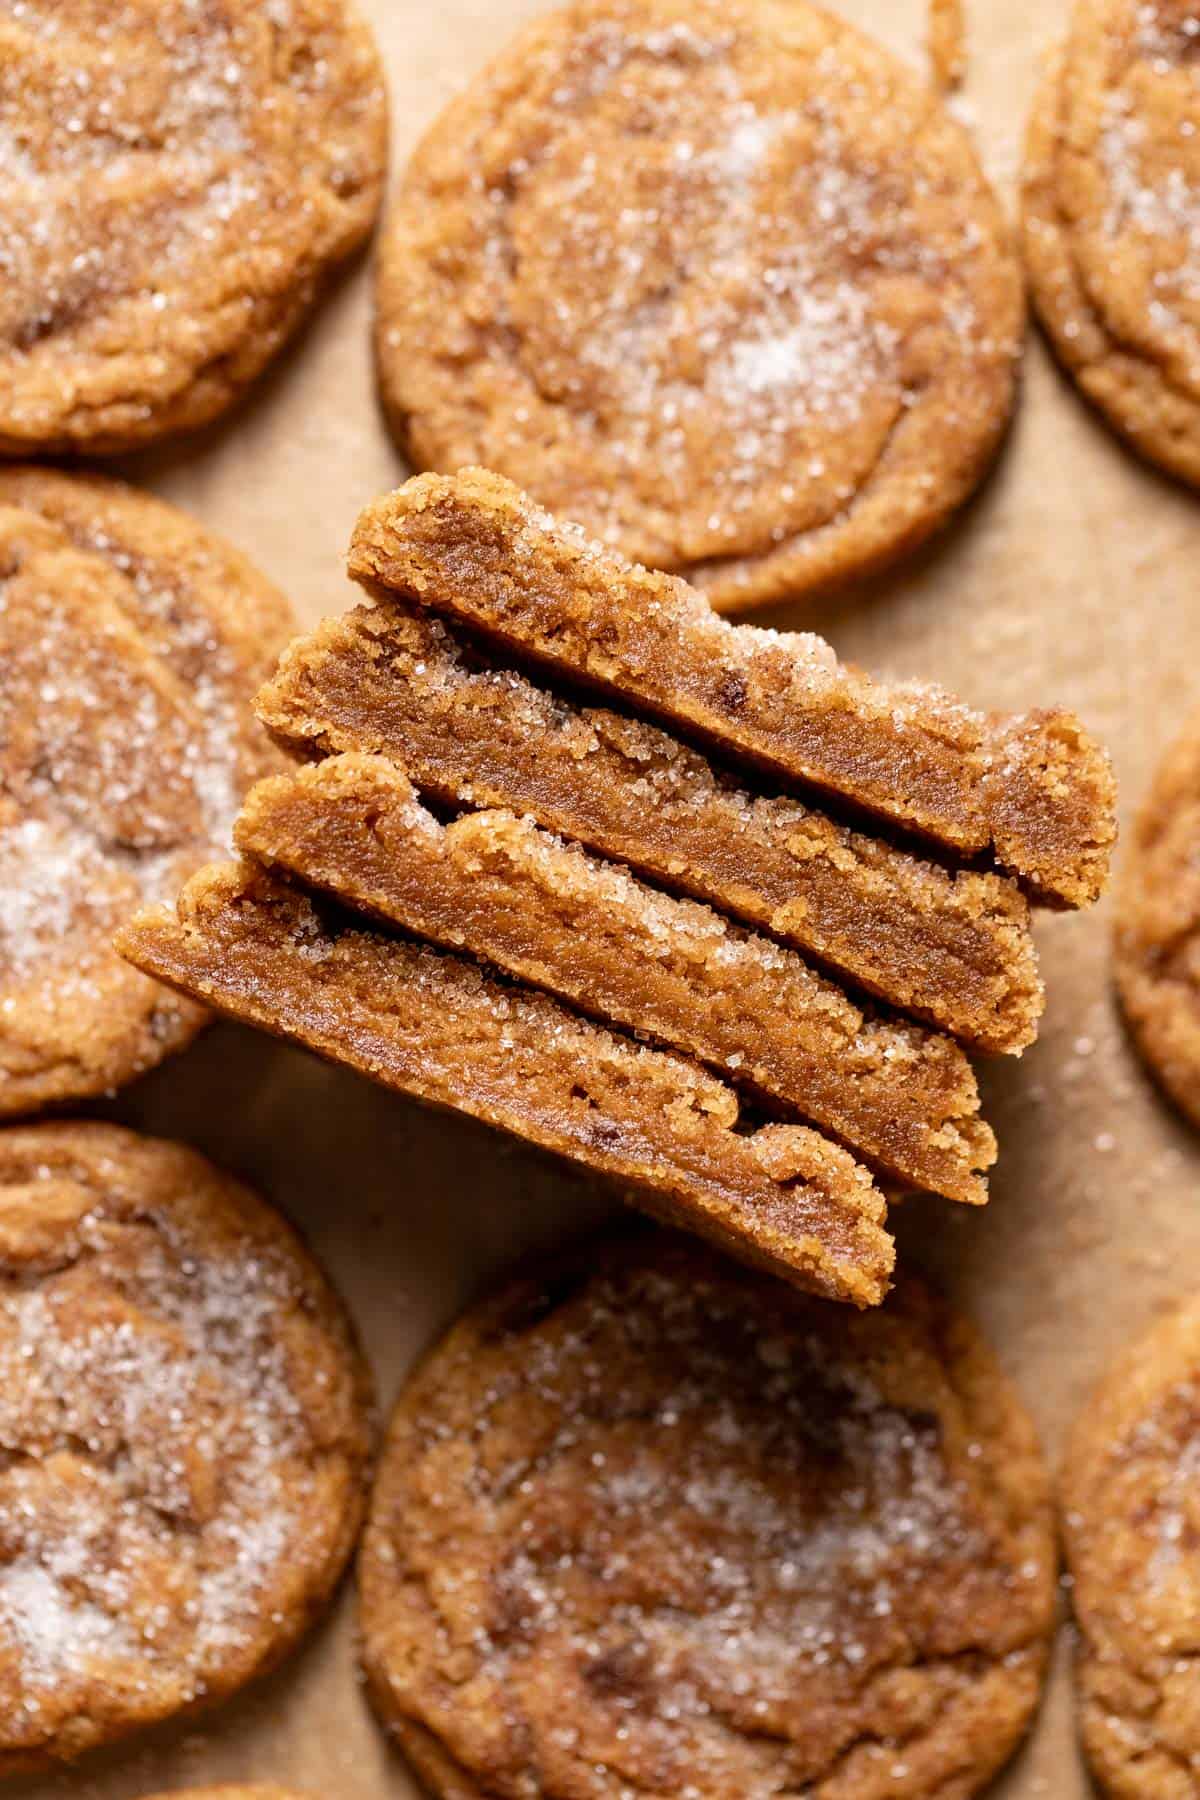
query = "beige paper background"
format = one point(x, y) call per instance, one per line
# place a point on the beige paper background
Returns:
point(1071, 578)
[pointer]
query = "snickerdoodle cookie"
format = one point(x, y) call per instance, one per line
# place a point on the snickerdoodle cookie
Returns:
point(176, 181)
point(1157, 954)
point(183, 1437)
point(1112, 219)
point(1131, 1502)
point(648, 1522)
point(131, 642)
point(719, 279)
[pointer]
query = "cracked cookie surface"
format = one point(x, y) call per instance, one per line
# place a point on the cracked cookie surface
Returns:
point(724, 283)
point(1112, 219)
point(650, 1524)
point(177, 181)
point(1131, 1504)
point(183, 1437)
point(131, 643)
point(1157, 942)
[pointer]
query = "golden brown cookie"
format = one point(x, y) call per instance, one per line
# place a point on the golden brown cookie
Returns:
point(184, 1433)
point(547, 913)
point(1112, 219)
point(1157, 949)
point(647, 1522)
point(131, 642)
point(1131, 1506)
point(1035, 790)
point(951, 946)
point(445, 1031)
point(177, 181)
point(720, 279)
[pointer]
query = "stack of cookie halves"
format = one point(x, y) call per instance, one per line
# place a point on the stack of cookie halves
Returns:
point(689, 903)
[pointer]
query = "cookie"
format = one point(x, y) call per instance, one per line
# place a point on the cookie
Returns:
point(131, 642)
point(551, 915)
point(185, 1434)
point(1131, 1510)
point(440, 1029)
point(721, 281)
point(178, 181)
point(1157, 937)
point(1111, 197)
point(646, 1522)
point(1032, 789)
point(952, 947)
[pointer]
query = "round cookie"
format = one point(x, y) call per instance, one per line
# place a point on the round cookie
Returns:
point(184, 1416)
point(649, 1522)
point(718, 279)
point(132, 642)
point(1157, 944)
point(177, 181)
point(1131, 1505)
point(1111, 203)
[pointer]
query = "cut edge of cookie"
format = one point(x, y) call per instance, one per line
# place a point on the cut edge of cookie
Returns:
point(950, 947)
point(473, 546)
point(782, 1197)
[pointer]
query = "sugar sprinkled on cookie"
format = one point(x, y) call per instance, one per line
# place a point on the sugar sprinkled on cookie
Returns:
point(1112, 219)
point(183, 1414)
point(131, 642)
point(1131, 1507)
point(649, 1523)
point(177, 180)
point(1157, 947)
point(724, 283)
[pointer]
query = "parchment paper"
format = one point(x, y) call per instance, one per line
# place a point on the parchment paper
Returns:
point(1070, 579)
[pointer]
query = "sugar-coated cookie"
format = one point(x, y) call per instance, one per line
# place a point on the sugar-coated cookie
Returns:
point(131, 642)
point(1112, 198)
point(1157, 949)
point(720, 279)
point(1131, 1507)
point(648, 1522)
point(176, 181)
point(184, 1416)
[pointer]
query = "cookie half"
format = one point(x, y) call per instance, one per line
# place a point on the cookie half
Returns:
point(132, 642)
point(546, 913)
point(184, 1418)
point(649, 1522)
point(723, 282)
point(179, 180)
point(1157, 946)
point(951, 946)
point(445, 1031)
point(1034, 789)
point(1111, 200)
point(1131, 1505)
